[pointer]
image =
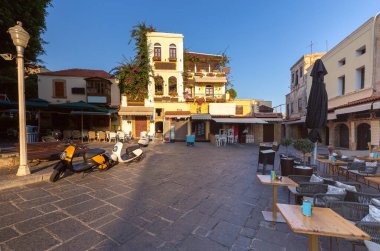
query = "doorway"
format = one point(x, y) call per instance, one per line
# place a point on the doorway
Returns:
point(199, 128)
point(268, 132)
point(363, 136)
point(140, 125)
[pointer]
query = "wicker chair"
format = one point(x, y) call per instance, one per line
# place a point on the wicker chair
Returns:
point(360, 169)
point(371, 228)
point(322, 200)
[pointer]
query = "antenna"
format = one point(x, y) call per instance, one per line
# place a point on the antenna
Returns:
point(311, 47)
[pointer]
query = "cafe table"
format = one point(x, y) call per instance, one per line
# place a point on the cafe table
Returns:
point(322, 222)
point(331, 164)
point(266, 180)
point(366, 157)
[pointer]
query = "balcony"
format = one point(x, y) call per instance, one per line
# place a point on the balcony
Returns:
point(165, 65)
point(202, 97)
point(215, 76)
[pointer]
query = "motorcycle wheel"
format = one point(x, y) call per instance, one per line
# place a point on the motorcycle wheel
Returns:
point(58, 172)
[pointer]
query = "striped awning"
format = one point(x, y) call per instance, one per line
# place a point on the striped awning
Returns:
point(136, 111)
point(200, 116)
point(177, 114)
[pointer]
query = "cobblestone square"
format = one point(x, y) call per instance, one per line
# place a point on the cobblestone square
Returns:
point(176, 198)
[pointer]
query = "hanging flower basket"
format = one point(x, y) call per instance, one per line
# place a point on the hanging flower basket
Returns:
point(200, 101)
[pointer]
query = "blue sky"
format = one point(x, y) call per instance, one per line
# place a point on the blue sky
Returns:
point(263, 38)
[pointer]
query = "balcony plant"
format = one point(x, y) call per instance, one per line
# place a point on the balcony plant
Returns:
point(304, 146)
point(173, 93)
point(172, 59)
point(200, 74)
point(156, 58)
point(158, 93)
point(210, 74)
point(200, 100)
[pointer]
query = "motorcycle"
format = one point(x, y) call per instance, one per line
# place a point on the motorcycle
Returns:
point(132, 153)
point(92, 158)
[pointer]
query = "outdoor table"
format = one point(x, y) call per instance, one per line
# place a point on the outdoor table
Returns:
point(366, 157)
point(266, 180)
point(331, 164)
point(322, 222)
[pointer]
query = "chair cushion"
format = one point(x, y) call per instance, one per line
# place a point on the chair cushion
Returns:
point(358, 160)
point(315, 178)
point(373, 216)
point(293, 190)
point(345, 186)
point(335, 190)
point(371, 164)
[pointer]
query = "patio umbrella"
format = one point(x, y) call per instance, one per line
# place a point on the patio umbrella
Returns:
point(316, 116)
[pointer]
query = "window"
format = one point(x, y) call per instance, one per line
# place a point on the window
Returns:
point(239, 110)
point(98, 87)
point(172, 52)
point(360, 78)
point(341, 85)
point(158, 85)
point(361, 51)
point(299, 105)
point(292, 77)
point(342, 62)
point(173, 86)
point(59, 90)
point(296, 76)
point(291, 108)
point(209, 90)
point(301, 71)
point(158, 112)
point(287, 109)
point(157, 52)
point(76, 90)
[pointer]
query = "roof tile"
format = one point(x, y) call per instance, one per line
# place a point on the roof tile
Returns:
point(85, 73)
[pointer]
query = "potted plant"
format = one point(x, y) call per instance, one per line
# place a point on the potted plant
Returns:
point(286, 142)
point(304, 146)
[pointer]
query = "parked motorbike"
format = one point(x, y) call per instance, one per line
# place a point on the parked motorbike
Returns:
point(92, 158)
point(132, 153)
point(144, 139)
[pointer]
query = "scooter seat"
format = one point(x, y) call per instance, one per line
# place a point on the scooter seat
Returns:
point(80, 167)
point(93, 152)
point(130, 149)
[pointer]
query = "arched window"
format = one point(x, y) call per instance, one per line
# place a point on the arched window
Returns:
point(209, 90)
point(172, 52)
point(158, 85)
point(157, 52)
point(173, 86)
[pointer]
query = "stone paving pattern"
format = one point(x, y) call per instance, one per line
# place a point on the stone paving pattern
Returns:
point(176, 198)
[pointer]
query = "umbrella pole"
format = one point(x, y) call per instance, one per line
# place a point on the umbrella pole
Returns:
point(81, 130)
point(315, 153)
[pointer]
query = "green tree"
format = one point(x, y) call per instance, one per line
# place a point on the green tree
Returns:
point(134, 74)
point(232, 92)
point(32, 15)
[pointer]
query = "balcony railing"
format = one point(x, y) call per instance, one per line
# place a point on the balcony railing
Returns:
point(217, 98)
point(214, 74)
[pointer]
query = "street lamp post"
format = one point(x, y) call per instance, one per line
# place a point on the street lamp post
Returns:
point(20, 39)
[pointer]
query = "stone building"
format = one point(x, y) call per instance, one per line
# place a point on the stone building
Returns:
point(353, 84)
point(296, 99)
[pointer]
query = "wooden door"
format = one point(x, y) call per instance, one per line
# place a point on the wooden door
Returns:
point(140, 125)
point(344, 136)
point(268, 132)
point(180, 130)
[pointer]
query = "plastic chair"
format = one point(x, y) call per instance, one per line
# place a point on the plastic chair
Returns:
point(121, 136)
point(112, 136)
point(91, 136)
point(102, 136)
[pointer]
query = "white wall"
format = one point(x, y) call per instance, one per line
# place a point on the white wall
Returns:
point(222, 108)
point(45, 90)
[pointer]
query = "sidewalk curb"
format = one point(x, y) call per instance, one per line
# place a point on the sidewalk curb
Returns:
point(21, 181)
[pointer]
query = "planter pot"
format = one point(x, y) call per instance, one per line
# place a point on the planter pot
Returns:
point(303, 170)
point(286, 166)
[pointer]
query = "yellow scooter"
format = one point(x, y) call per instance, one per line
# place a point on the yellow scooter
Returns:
point(92, 158)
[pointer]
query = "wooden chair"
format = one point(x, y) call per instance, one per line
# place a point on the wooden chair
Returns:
point(91, 136)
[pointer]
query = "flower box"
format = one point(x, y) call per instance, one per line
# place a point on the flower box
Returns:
point(156, 58)
point(172, 59)
point(210, 74)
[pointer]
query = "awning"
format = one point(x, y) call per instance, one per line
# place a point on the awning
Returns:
point(200, 116)
point(90, 113)
point(199, 79)
point(376, 105)
point(240, 120)
point(356, 108)
point(272, 119)
point(177, 114)
point(331, 116)
point(292, 122)
point(136, 111)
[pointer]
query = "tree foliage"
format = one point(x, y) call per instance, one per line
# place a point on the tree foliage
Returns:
point(232, 92)
point(32, 15)
point(134, 74)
